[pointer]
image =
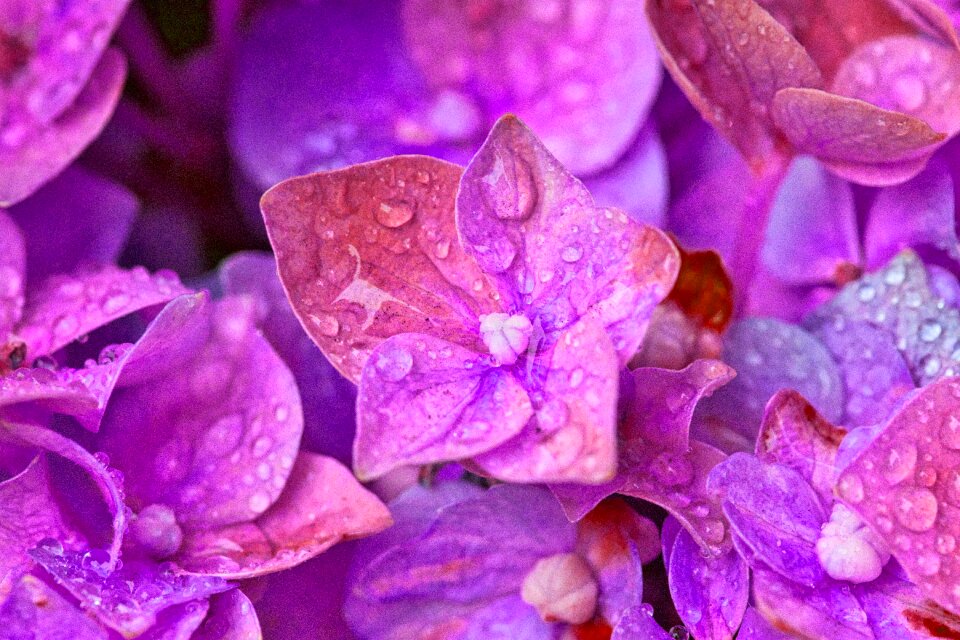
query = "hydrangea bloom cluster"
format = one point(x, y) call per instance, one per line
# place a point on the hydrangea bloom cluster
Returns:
point(479, 319)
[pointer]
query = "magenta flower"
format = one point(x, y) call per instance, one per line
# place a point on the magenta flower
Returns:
point(59, 84)
point(467, 332)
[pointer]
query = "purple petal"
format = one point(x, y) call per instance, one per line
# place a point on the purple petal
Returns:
point(906, 74)
point(645, 162)
point(852, 137)
point(535, 229)
point(774, 512)
point(329, 416)
point(573, 434)
point(897, 610)
point(795, 435)
point(30, 512)
point(769, 355)
point(439, 580)
point(371, 251)
point(231, 617)
point(321, 504)
point(178, 622)
point(215, 444)
point(874, 373)
point(812, 229)
point(898, 299)
point(828, 610)
point(583, 79)
point(34, 152)
point(754, 627)
point(112, 600)
point(77, 219)
point(730, 59)
point(919, 213)
point(423, 400)
point(710, 593)
point(63, 308)
point(637, 623)
point(343, 66)
point(12, 271)
point(910, 473)
point(34, 610)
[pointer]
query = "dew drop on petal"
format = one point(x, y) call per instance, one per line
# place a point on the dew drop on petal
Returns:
point(916, 508)
point(394, 363)
point(394, 213)
point(900, 463)
point(851, 488)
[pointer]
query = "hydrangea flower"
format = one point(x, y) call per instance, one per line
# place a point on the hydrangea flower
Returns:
point(59, 83)
point(472, 350)
point(437, 573)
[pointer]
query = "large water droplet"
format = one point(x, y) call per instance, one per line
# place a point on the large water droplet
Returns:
point(900, 463)
point(98, 561)
point(571, 253)
point(259, 502)
point(930, 330)
point(916, 508)
point(851, 488)
point(910, 91)
point(394, 363)
point(394, 213)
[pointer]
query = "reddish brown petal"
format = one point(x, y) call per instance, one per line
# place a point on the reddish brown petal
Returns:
point(371, 251)
point(850, 135)
point(321, 505)
point(730, 57)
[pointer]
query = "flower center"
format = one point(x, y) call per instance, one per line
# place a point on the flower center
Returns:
point(562, 589)
point(506, 336)
point(848, 550)
point(156, 531)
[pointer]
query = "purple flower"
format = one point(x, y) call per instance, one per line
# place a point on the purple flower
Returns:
point(467, 334)
point(438, 573)
point(60, 83)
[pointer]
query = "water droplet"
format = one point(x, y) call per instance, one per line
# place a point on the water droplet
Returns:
point(394, 213)
point(571, 253)
point(259, 502)
point(928, 564)
point(442, 249)
point(394, 363)
point(576, 378)
point(553, 416)
point(851, 488)
point(900, 463)
point(679, 632)
point(51, 546)
point(671, 469)
point(930, 365)
point(930, 330)
point(946, 543)
point(714, 530)
point(916, 508)
point(895, 274)
point(261, 446)
point(910, 91)
point(98, 561)
point(950, 432)
point(114, 303)
point(66, 326)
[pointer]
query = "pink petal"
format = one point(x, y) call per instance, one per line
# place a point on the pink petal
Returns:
point(213, 434)
point(582, 77)
point(906, 74)
point(853, 138)
point(36, 610)
point(321, 504)
point(231, 617)
point(534, 228)
point(796, 436)
point(49, 147)
point(919, 213)
point(423, 400)
point(30, 512)
point(371, 251)
point(910, 473)
point(13, 263)
point(730, 58)
point(573, 434)
point(63, 308)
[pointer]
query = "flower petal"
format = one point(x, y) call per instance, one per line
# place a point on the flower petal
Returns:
point(13, 263)
point(710, 593)
point(371, 251)
point(638, 622)
point(231, 617)
point(583, 77)
point(773, 510)
point(754, 627)
point(423, 400)
point(573, 434)
point(795, 435)
point(898, 299)
point(554, 255)
point(321, 504)
point(855, 139)
point(217, 443)
point(897, 610)
point(731, 58)
point(911, 472)
point(77, 219)
point(63, 308)
point(36, 610)
point(42, 150)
